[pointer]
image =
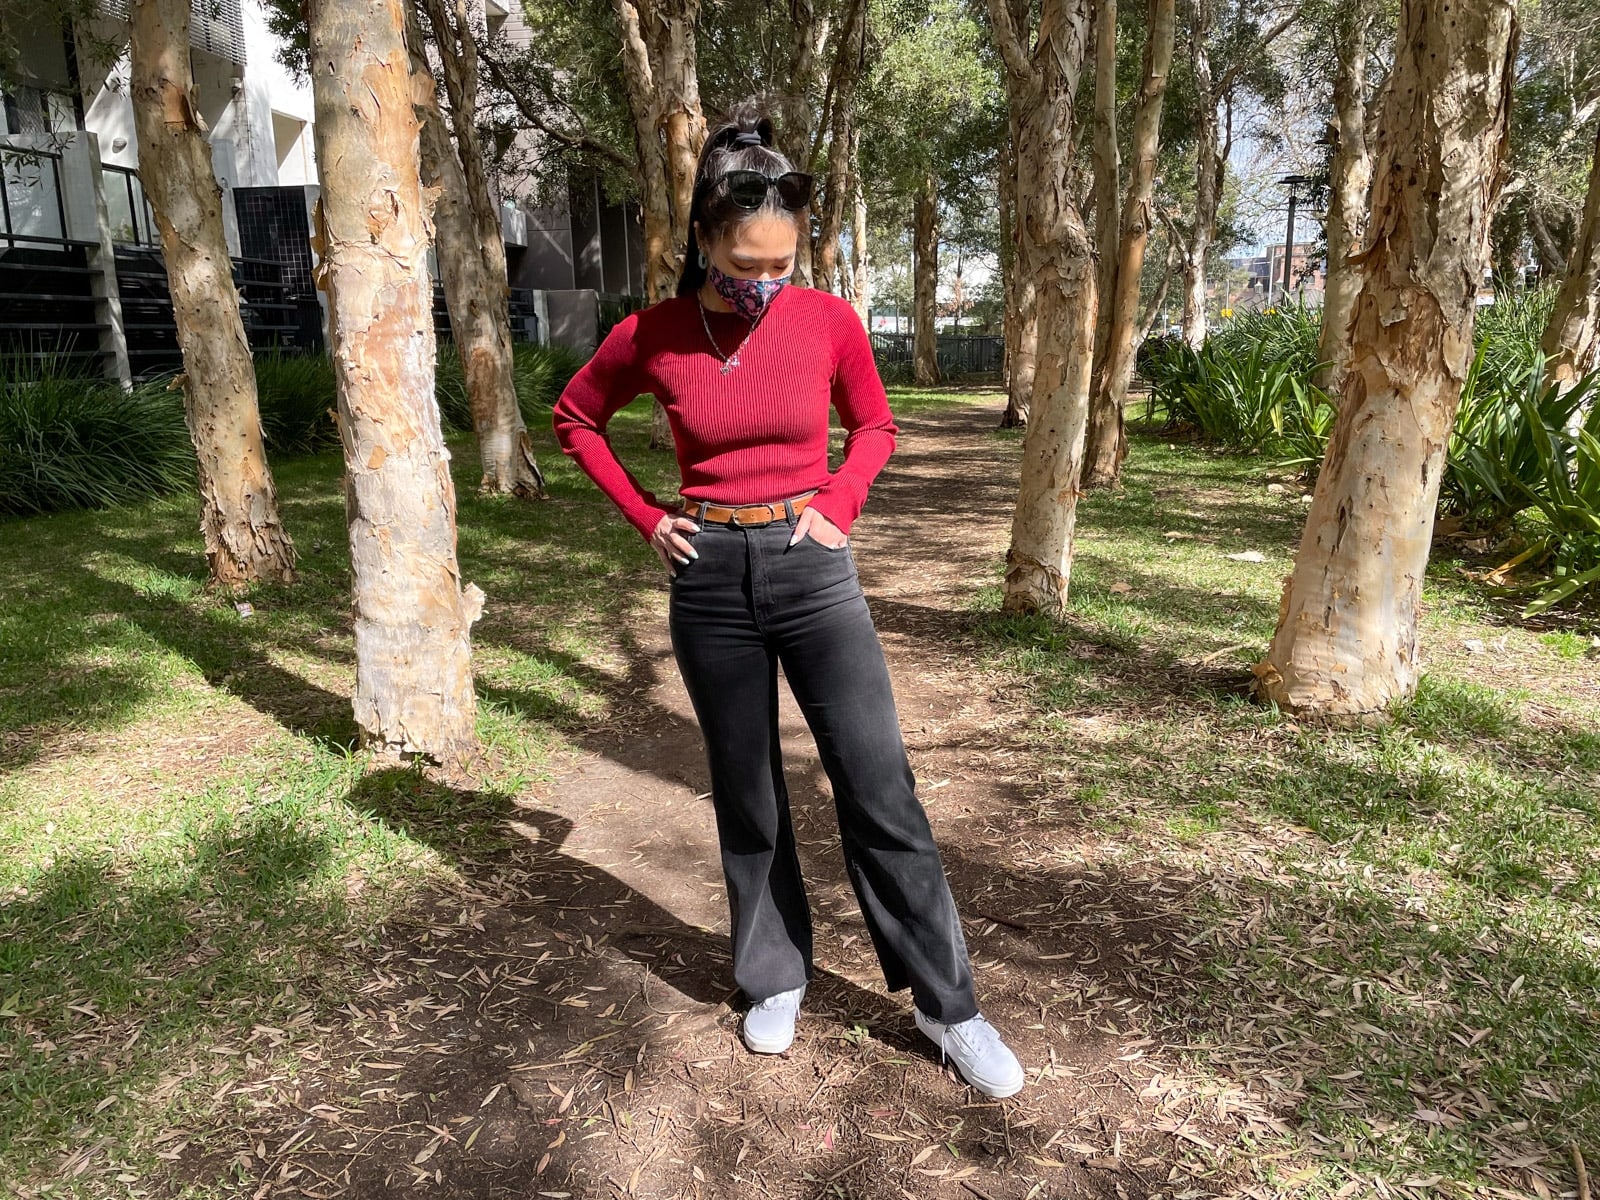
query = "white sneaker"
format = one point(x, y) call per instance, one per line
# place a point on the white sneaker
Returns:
point(769, 1025)
point(980, 1056)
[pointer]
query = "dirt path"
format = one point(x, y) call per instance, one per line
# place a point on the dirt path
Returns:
point(563, 1028)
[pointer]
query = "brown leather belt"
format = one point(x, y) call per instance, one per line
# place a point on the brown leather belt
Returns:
point(748, 515)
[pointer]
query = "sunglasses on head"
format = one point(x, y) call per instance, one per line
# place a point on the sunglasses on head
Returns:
point(748, 189)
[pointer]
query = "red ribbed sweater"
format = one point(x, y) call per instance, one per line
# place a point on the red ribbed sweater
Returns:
point(756, 434)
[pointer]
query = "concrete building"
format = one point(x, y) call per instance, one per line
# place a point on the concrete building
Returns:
point(73, 208)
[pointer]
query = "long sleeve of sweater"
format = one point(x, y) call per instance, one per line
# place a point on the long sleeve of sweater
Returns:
point(863, 407)
point(607, 383)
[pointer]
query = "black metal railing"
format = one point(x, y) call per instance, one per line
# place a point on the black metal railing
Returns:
point(524, 317)
point(33, 210)
point(956, 354)
point(272, 317)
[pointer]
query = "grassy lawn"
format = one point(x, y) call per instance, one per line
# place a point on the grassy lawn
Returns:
point(1398, 928)
point(1388, 936)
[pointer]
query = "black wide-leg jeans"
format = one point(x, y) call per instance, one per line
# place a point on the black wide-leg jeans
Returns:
point(749, 602)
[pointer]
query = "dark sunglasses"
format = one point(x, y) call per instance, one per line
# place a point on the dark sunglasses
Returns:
point(748, 189)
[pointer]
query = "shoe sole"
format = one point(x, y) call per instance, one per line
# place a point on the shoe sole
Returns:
point(761, 1047)
point(995, 1092)
point(992, 1093)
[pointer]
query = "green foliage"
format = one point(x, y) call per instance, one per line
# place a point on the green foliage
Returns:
point(1249, 386)
point(1513, 453)
point(1287, 335)
point(1496, 454)
point(295, 393)
point(1558, 482)
point(1507, 334)
point(72, 441)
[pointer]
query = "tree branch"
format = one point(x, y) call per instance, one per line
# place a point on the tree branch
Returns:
point(1006, 37)
point(1230, 76)
point(581, 139)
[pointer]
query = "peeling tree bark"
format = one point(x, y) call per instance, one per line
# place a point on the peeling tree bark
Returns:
point(1042, 84)
point(1346, 641)
point(661, 77)
point(799, 122)
point(925, 283)
point(860, 267)
point(413, 618)
point(1115, 338)
point(239, 520)
point(1572, 336)
point(1210, 163)
point(847, 69)
point(1347, 203)
point(1022, 311)
point(471, 251)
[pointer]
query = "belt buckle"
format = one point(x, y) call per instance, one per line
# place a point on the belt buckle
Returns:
point(733, 518)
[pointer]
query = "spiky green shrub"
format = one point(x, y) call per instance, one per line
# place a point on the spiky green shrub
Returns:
point(1243, 396)
point(1286, 336)
point(295, 393)
point(1526, 459)
point(68, 440)
point(539, 373)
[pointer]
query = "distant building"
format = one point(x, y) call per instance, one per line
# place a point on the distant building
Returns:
point(1255, 280)
point(75, 206)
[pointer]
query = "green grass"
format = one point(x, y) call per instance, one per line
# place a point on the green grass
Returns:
point(1374, 923)
point(1410, 913)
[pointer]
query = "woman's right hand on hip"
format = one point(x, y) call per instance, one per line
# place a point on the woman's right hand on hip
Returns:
point(669, 542)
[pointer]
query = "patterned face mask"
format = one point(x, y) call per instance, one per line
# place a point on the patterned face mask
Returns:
point(747, 297)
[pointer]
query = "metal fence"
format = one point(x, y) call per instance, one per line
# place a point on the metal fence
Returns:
point(956, 354)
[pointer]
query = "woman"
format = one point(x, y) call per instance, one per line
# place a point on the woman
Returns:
point(762, 573)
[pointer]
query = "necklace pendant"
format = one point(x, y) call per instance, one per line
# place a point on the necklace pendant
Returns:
point(726, 366)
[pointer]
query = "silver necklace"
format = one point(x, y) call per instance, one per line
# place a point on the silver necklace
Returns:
point(728, 363)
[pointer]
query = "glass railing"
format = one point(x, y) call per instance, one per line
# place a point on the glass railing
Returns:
point(31, 206)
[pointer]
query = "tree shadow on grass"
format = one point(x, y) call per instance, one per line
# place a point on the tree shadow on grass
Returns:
point(117, 965)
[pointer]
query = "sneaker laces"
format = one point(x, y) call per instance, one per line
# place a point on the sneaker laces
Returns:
point(975, 1031)
point(775, 1000)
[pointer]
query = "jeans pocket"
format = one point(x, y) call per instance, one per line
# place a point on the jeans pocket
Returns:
point(678, 568)
point(839, 549)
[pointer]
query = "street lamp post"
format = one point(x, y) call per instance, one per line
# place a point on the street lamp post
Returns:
point(1294, 183)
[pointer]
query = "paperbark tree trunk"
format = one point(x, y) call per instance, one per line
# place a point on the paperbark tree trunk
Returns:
point(925, 284)
point(1022, 312)
point(1347, 202)
point(662, 81)
point(1042, 85)
point(799, 121)
point(471, 251)
point(1346, 641)
point(239, 518)
point(413, 618)
point(1005, 190)
point(1572, 336)
point(1158, 299)
point(847, 69)
point(1210, 163)
point(860, 267)
point(1106, 176)
point(1115, 340)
